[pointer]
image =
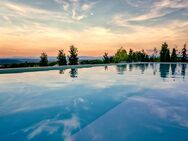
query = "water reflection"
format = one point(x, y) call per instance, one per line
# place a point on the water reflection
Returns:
point(164, 70)
point(121, 69)
point(105, 68)
point(142, 67)
point(183, 70)
point(173, 69)
point(130, 67)
point(61, 71)
point(54, 109)
point(154, 67)
point(53, 126)
point(73, 73)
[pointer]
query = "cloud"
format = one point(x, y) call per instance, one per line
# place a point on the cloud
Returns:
point(119, 20)
point(152, 14)
point(173, 31)
point(75, 16)
point(40, 36)
point(51, 126)
point(170, 4)
point(64, 4)
point(86, 7)
point(63, 23)
point(25, 13)
point(21, 9)
point(159, 9)
point(165, 111)
point(136, 3)
point(78, 9)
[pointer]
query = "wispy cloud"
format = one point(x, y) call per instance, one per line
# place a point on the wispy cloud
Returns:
point(161, 8)
point(164, 111)
point(120, 20)
point(21, 9)
point(23, 13)
point(76, 16)
point(79, 10)
point(86, 7)
point(51, 126)
point(136, 3)
point(64, 4)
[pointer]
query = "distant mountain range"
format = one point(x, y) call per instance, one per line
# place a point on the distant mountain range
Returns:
point(17, 60)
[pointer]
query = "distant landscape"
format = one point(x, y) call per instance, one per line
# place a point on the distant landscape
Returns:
point(121, 55)
point(17, 60)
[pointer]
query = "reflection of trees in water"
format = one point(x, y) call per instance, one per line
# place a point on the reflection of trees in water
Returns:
point(173, 69)
point(61, 71)
point(183, 70)
point(105, 68)
point(73, 73)
point(142, 67)
point(154, 68)
point(121, 69)
point(130, 67)
point(164, 70)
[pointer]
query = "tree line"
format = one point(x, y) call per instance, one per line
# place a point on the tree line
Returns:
point(121, 55)
point(62, 58)
point(141, 56)
point(165, 55)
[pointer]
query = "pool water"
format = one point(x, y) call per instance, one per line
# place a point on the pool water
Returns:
point(130, 102)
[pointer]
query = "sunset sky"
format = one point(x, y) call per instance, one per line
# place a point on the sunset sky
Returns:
point(29, 27)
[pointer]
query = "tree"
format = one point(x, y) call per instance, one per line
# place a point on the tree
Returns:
point(106, 59)
point(155, 51)
point(120, 55)
point(43, 59)
point(143, 56)
point(146, 58)
point(184, 53)
point(164, 53)
point(168, 56)
point(153, 58)
point(138, 56)
point(130, 56)
point(73, 58)
point(61, 58)
point(135, 56)
point(173, 55)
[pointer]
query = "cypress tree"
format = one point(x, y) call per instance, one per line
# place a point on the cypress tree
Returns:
point(61, 58)
point(184, 53)
point(43, 59)
point(106, 59)
point(130, 57)
point(173, 55)
point(164, 53)
point(73, 58)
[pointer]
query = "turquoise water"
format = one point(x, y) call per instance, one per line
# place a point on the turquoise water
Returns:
point(143, 102)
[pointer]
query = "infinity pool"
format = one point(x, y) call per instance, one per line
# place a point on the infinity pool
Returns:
point(131, 102)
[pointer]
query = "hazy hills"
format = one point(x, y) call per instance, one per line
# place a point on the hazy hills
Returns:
point(17, 60)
